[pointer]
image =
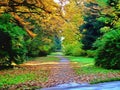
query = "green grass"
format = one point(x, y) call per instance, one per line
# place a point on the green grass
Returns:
point(81, 59)
point(85, 66)
point(9, 79)
point(23, 74)
point(104, 80)
point(48, 58)
point(91, 69)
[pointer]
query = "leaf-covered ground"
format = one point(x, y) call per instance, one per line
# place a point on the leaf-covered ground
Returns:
point(50, 71)
point(30, 75)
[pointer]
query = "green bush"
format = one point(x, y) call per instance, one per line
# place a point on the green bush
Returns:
point(38, 47)
point(67, 49)
point(77, 51)
point(90, 53)
point(12, 43)
point(73, 49)
point(33, 50)
point(45, 50)
point(108, 52)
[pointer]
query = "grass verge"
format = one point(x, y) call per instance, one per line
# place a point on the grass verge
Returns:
point(49, 58)
point(84, 67)
point(10, 79)
point(27, 75)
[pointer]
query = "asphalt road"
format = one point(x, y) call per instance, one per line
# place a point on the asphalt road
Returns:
point(75, 86)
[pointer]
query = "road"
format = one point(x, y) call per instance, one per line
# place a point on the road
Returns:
point(75, 86)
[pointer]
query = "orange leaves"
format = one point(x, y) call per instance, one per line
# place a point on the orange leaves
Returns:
point(46, 13)
point(38, 10)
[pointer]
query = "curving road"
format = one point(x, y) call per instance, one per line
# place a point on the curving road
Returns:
point(74, 86)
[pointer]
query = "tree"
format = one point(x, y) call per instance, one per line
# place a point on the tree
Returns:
point(12, 42)
point(36, 17)
point(70, 29)
point(91, 26)
point(21, 9)
point(108, 44)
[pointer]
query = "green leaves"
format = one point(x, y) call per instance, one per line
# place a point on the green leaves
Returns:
point(91, 28)
point(74, 48)
point(104, 19)
point(5, 18)
point(41, 45)
point(108, 51)
point(102, 3)
point(12, 39)
point(108, 45)
point(105, 29)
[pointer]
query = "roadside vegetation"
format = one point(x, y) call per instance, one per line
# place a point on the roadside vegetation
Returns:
point(29, 75)
point(84, 67)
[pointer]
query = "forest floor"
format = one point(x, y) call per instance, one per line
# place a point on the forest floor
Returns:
point(54, 70)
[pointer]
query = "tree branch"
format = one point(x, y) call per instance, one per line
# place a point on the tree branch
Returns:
point(23, 24)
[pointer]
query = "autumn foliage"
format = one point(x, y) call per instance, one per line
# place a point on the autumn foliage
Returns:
point(77, 23)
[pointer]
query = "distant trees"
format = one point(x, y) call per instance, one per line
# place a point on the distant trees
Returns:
point(71, 44)
point(57, 43)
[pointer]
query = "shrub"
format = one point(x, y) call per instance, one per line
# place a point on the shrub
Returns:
point(12, 43)
point(33, 50)
point(67, 49)
point(90, 53)
point(38, 47)
point(73, 49)
point(108, 52)
point(45, 50)
point(77, 51)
